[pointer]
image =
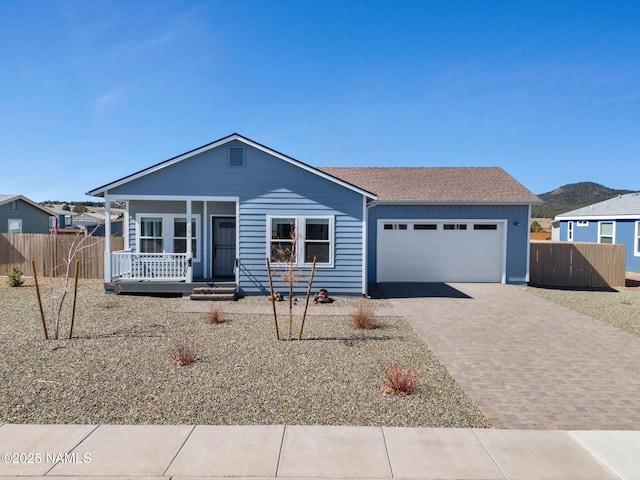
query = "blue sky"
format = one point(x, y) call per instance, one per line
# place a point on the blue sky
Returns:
point(91, 91)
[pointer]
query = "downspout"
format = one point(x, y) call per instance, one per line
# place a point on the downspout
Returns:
point(365, 244)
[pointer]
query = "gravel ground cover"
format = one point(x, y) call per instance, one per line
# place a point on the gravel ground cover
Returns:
point(117, 368)
point(619, 308)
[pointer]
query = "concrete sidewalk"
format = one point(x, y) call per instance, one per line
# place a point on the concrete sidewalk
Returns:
point(161, 451)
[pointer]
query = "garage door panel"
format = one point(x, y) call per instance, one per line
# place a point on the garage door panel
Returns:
point(465, 252)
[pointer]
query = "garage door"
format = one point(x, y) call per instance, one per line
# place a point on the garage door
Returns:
point(438, 251)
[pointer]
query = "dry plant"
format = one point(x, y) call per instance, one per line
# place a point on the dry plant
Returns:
point(114, 299)
point(184, 354)
point(214, 315)
point(363, 317)
point(398, 380)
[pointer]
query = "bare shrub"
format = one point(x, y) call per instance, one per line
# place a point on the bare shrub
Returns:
point(214, 315)
point(184, 354)
point(363, 317)
point(113, 300)
point(398, 380)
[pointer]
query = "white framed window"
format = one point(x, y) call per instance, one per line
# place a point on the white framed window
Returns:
point(636, 243)
point(583, 223)
point(167, 233)
point(315, 239)
point(569, 231)
point(14, 225)
point(606, 232)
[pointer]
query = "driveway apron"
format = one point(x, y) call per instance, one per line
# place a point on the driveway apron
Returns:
point(527, 363)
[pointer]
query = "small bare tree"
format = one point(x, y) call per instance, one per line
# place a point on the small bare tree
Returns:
point(286, 256)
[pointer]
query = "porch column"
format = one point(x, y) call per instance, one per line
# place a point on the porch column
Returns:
point(107, 238)
point(189, 278)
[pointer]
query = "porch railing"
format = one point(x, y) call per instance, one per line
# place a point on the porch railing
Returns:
point(126, 265)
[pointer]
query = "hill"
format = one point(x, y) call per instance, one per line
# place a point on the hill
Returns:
point(572, 196)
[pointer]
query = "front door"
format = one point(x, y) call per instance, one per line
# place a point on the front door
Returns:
point(224, 246)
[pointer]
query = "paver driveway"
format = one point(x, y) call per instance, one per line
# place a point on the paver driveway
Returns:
point(527, 363)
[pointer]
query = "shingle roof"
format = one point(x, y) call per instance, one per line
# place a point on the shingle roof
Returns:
point(628, 204)
point(437, 184)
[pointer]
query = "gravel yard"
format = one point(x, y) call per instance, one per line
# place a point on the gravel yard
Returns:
point(117, 368)
point(619, 308)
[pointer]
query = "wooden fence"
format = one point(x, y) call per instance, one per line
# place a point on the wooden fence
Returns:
point(49, 253)
point(572, 264)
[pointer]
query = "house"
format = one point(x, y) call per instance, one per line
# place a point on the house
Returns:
point(18, 214)
point(616, 220)
point(94, 224)
point(65, 218)
point(217, 212)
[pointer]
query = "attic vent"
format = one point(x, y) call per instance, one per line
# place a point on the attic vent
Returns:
point(236, 156)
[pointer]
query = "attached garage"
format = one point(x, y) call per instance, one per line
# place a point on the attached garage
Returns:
point(441, 251)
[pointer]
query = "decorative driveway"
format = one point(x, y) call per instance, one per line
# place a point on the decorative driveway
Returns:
point(527, 363)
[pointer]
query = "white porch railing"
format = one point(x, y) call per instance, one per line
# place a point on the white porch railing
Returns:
point(126, 265)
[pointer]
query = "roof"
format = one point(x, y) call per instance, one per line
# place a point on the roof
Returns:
point(437, 184)
point(101, 191)
point(10, 198)
point(622, 206)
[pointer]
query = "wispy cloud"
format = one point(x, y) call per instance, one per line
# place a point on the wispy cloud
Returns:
point(109, 100)
point(154, 42)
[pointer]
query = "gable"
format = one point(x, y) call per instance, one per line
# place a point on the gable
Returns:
point(221, 155)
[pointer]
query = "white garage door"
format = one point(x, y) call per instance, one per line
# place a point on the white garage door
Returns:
point(438, 251)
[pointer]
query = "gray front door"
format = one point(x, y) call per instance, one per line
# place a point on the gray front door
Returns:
point(224, 246)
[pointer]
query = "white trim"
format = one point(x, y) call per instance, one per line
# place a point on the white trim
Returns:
point(636, 240)
point(504, 224)
point(595, 218)
point(217, 143)
point(168, 234)
point(300, 250)
point(126, 225)
point(181, 198)
point(364, 245)
point(9, 220)
point(526, 277)
point(206, 267)
point(570, 231)
point(613, 232)
point(582, 223)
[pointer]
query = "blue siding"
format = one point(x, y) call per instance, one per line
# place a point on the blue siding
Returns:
point(624, 235)
point(33, 219)
point(266, 186)
point(517, 236)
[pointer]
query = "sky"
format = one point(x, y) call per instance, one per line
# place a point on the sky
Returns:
point(92, 91)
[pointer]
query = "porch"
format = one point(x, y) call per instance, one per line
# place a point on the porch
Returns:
point(168, 287)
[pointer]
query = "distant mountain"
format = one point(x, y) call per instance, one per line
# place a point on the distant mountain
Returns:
point(572, 196)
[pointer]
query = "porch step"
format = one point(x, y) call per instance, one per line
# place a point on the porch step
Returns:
point(214, 294)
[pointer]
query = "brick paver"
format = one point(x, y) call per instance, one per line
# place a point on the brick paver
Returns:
point(527, 363)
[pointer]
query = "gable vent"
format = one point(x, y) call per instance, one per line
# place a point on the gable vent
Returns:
point(236, 156)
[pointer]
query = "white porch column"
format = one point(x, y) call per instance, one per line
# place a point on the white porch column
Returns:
point(189, 235)
point(107, 238)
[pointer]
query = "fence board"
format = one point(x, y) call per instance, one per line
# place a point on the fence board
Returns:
point(49, 253)
point(572, 264)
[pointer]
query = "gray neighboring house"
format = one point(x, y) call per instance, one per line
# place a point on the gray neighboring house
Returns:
point(18, 214)
point(616, 220)
point(215, 213)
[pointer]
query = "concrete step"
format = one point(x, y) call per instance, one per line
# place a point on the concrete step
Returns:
point(214, 297)
point(214, 290)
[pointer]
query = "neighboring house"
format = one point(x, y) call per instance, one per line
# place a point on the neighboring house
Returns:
point(218, 211)
point(18, 214)
point(616, 220)
point(65, 218)
point(94, 224)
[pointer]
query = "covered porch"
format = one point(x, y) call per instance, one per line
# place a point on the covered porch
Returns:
point(173, 244)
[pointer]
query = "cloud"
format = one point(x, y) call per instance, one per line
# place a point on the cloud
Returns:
point(110, 100)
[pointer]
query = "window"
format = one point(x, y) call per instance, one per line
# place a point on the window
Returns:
point(455, 226)
point(583, 223)
point(180, 236)
point(15, 225)
point(316, 239)
point(570, 232)
point(425, 226)
point(166, 233)
point(236, 156)
point(151, 240)
point(485, 226)
point(636, 250)
point(606, 232)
